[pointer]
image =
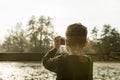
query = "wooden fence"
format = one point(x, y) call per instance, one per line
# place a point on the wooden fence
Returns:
point(38, 57)
point(20, 56)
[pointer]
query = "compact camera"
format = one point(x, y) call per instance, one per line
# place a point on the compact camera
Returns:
point(62, 41)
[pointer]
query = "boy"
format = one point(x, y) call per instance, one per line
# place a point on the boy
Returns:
point(75, 65)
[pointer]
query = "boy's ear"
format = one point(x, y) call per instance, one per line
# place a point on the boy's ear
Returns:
point(86, 43)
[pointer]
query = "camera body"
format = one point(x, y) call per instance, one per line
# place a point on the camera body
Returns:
point(62, 41)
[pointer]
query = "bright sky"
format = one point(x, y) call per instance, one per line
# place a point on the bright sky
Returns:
point(64, 12)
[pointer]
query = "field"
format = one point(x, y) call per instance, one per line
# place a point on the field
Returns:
point(106, 71)
point(35, 71)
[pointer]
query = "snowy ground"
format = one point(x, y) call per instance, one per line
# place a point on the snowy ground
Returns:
point(35, 71)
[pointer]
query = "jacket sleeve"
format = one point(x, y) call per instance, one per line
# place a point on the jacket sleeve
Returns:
point(91, 69)
point(50, 61)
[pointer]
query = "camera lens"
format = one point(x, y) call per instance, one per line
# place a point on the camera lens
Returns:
point(62, 41)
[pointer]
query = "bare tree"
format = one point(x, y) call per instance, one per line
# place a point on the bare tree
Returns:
point(40, 33)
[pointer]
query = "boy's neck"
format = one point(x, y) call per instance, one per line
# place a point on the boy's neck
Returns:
point(75, 51)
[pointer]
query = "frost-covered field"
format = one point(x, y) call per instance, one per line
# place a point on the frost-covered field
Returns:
point(106, 71)
point(35, 71)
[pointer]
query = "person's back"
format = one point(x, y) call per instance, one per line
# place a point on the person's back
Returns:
point(75, 68)
point(75, 65)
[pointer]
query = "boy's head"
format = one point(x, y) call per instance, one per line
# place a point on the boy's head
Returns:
point(76, 35)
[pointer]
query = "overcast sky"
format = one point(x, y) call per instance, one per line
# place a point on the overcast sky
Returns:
point(63, 12)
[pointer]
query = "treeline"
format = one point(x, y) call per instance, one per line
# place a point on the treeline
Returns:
point(108, 42)
point(38, 38)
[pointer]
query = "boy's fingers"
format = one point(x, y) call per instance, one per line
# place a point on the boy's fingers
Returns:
point(57, 38)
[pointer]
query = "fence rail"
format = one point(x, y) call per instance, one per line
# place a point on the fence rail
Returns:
point(38, 57)
point(20, 56)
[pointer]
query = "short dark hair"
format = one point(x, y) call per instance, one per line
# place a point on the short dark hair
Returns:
point(77, 33)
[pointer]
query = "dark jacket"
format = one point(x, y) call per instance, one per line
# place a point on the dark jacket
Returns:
point(69, 67)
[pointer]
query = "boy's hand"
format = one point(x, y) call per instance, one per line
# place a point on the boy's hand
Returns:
point(57, 42)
